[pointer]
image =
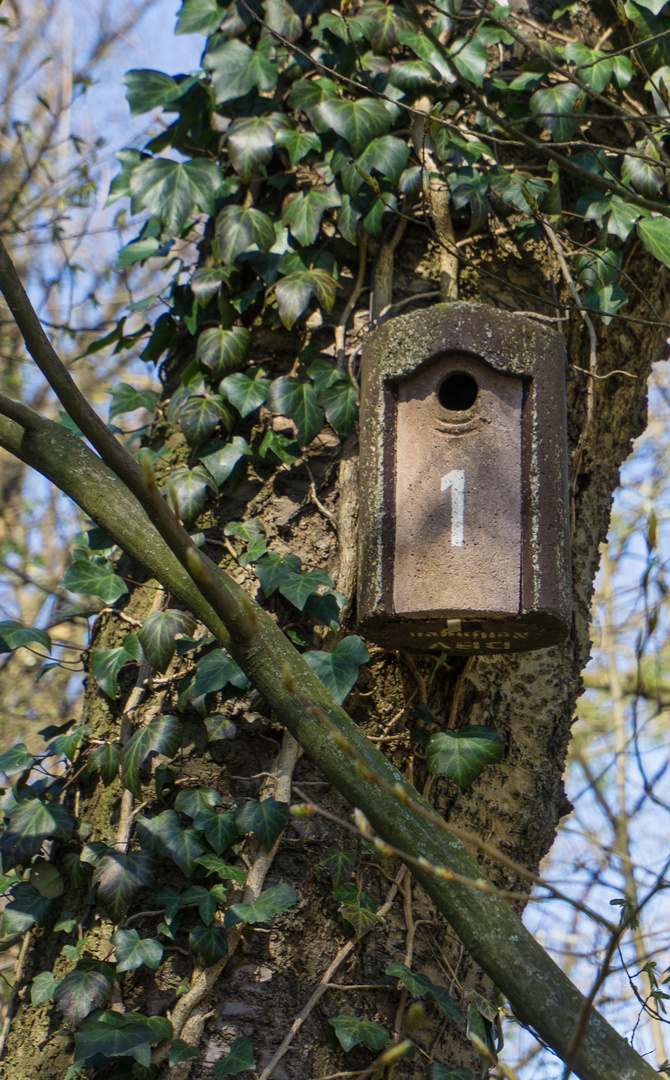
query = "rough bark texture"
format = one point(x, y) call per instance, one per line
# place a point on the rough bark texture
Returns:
point(309, 509)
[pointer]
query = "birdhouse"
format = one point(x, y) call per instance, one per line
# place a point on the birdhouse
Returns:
point(464, 508)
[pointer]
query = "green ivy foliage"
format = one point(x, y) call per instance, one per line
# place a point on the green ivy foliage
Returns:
point(308, 127)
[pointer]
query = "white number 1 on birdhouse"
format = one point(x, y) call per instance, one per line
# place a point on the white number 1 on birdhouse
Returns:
point(456, 481)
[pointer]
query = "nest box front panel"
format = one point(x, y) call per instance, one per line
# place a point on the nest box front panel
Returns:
point(458, 515)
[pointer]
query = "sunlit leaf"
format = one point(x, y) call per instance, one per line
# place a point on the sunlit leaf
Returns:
point(236, 69)
point(173, 190)
point(93, 577)
point(16, 760)
point(303, 211)
point(338, 669)
point(13, 635)
point(131, 951)
point(199, 17)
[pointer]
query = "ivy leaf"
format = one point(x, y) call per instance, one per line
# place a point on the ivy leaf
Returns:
point(181, 1051)
point(220, 458)
point(419, 984)
point(654, 232)
point(415, 77)
point(239, 1059)
point(159, 736)
point(605, 299)
point(79, 993)
point(214, 671)
point(200, 417)
point(273, 569)
point(280, 17)
point(622, 217)
point(159, 632)
point(139, 250)
point(30, 824)
point(206, 901)
point(271, 902)
point(554, 109)
point(338, 669)
point(298, 588)
point(295, 291)
point(126, 398)
point(27, 906)
point(266, 820)
point(244, 393)
point(287, 450)
point(471, 58)
point(462, 755)
point(240, 228)
point(304, 209)
point(42, 988)
point(199, 17)
point(390, 21)
point(214, 865)
point(340, 865)
point(218, 827)
point(387, 156)
point(93, 577)
point(191, 801)
point(190, 487)
point(16, 760)
point(211, 942)
point(119, 877)
point(131, 951)
point(13, 635)
point(250, 143)
point(172, 190)
point(106, 663)
point(340, 405)
point(164, 835)
point(351, 1031)
point(106, 759)
point(206, 283)
point(359, 122)
point(147, 89)
point(297, 144)
point(594, 68)
point(297, 400)
point(113, 1034)
point(357, 908)
point(646, 178)
point(222, 351)
point(236, 69)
